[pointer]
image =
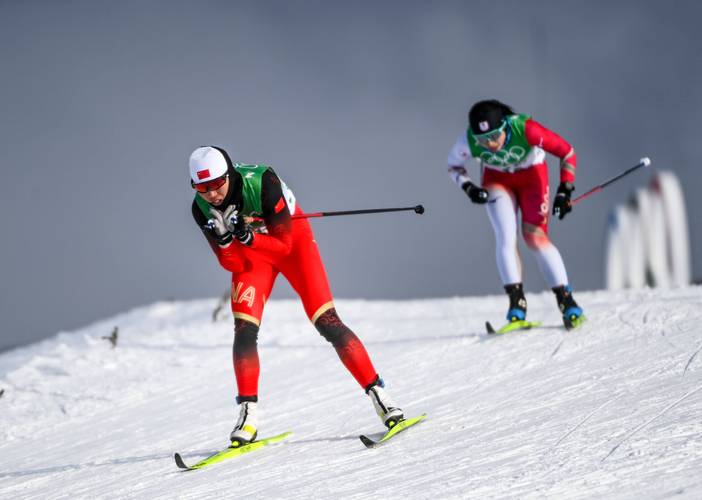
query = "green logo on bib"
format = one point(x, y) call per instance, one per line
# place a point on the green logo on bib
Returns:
point(504, 157)
point(515, 151)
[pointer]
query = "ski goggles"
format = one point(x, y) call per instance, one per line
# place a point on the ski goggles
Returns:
point(207, 186)
point(492, 136)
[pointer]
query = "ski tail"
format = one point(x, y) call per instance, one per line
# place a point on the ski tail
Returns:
point(179, 462)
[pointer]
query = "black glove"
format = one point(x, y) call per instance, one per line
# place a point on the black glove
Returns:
point(237, 226)
point(561, 203)
point(476, 194)
point(244, 234)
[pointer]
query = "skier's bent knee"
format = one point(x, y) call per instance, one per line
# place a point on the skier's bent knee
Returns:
point(245, 336)
point(330, 326)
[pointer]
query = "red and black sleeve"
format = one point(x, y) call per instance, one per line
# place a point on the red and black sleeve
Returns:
point(551, 142)
point(276, 215)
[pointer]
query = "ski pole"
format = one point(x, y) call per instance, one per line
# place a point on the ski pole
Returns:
point(418, 209)
point(644, 162)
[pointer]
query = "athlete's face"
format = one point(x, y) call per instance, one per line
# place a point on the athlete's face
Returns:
point(216, 196)
point(494, 143)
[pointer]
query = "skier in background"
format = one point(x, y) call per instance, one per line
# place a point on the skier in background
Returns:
point(510, 149)
point(245, 212)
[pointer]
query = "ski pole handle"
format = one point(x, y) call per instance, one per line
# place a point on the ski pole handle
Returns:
point(418, 209)
point(644, 162)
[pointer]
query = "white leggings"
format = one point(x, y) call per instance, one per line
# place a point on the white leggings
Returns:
point(503, 216)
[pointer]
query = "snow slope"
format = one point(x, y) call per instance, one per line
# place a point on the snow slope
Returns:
point(611, 410)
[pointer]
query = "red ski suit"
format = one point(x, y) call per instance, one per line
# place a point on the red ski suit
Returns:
point(529, 185)
point(289, 248)
point(254, 269)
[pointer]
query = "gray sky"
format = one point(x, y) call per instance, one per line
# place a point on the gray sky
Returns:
point(355, 104)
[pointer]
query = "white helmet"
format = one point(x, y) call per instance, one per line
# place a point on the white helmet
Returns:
point(207, 163)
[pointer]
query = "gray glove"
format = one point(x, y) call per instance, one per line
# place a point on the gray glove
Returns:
point(217, 227)
point(231, 218)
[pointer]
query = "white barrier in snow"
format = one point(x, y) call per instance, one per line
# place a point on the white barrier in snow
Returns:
point(647, 240)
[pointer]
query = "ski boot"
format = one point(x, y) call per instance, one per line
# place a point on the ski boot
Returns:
point(516, 315)
point(572, 313)
point(245, 429)
point(517, 303)
point(386, 409)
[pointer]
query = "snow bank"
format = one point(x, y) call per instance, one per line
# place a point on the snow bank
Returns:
point(611, 410)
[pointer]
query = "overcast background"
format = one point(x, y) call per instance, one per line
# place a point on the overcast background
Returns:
point(355, 104)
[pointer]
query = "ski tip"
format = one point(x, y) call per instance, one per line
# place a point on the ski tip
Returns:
point(489, 328)
point(276, 439)
point(179, 462)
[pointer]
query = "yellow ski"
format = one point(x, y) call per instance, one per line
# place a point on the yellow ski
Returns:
point(512, 326)
point(400, 426)
point(231, 452)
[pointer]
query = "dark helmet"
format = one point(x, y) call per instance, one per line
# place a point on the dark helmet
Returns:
point(485, 116)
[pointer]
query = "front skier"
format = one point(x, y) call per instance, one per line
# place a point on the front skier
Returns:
point(245, 214)
point(510, 150)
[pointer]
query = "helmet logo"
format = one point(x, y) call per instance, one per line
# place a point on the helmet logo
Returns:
point(203, 174)
point(484, 126)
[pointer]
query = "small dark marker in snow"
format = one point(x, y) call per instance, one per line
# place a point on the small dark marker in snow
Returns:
point(113, 337)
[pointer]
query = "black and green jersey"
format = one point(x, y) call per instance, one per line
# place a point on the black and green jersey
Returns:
point(256, 190)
